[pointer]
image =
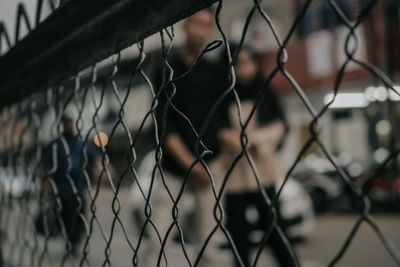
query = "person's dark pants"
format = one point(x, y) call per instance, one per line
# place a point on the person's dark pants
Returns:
point(240, 228)
point(71, 216)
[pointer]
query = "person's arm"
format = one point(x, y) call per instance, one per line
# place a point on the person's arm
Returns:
point(271, 132)
point(46, 165)
point(46, 183)
point(273, 125)
point(230, 140)
point(268, 136)
point(95, 168)
point(175, 146)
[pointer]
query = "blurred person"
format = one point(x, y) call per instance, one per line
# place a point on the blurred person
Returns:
point(265, 132)
point(195, 95)
point(62, 164)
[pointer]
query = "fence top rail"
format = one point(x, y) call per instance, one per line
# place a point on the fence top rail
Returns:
point(79, 34)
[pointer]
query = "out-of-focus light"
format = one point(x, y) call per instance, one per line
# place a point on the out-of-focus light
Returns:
point(103, 138)
point(383, 127)
point(381, 93)
point(344, 158)
point(347, 100)
point(380, 155)
point(370, 93)
point(355, 169)
point(393, 96)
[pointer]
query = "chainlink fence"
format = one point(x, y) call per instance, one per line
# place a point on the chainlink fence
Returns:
point(110, 96)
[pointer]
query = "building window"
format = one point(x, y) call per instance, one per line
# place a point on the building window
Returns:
point(321, 16)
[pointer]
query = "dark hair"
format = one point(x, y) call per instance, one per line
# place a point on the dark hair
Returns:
point(66, 118)
point(209, 9)
point(234, 49)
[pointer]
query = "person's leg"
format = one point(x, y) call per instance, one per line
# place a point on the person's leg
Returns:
point(72, 211)
point(66, 217)
point(280, 250)
point(78, 225)
point(205, 202)
point(161, 217)
point(237, 225)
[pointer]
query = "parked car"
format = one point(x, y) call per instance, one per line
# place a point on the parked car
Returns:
point(323, 183)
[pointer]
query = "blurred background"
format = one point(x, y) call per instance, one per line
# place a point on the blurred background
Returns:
point(360, 129)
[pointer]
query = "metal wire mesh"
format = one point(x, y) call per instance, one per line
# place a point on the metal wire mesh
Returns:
point(24, 134)
point(22, 16)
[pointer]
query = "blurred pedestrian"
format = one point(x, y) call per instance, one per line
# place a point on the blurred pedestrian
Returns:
point(195, 95)
point(63, 176)
point(265, 132)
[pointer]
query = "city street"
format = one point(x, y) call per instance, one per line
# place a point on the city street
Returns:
point(324, 242)
point(298, 100)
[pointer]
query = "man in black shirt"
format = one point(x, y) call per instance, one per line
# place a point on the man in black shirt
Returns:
point(194, 97)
